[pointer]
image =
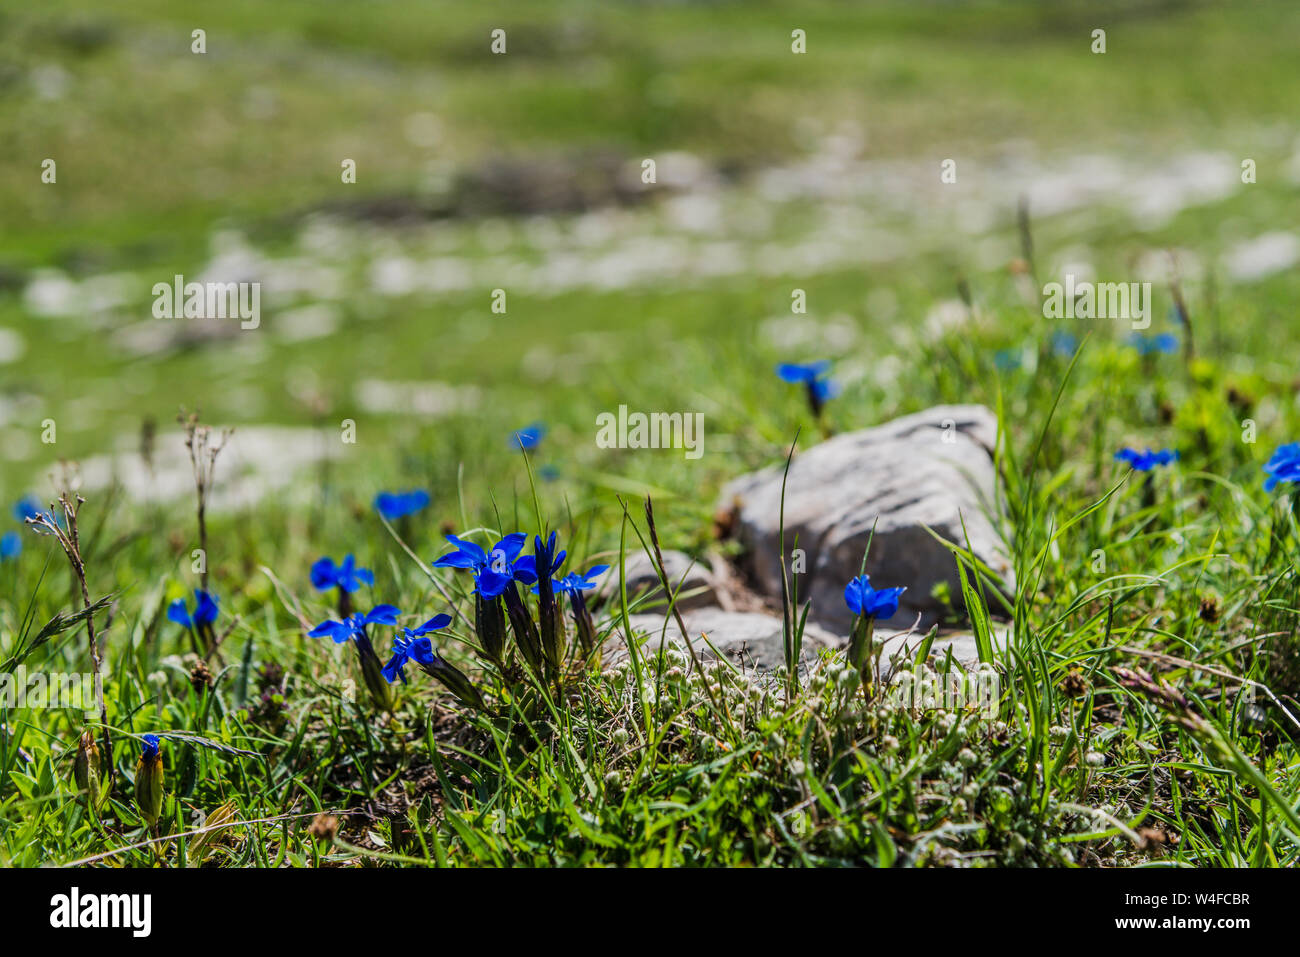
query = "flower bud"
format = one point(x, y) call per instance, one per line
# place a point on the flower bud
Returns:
point(490, 626)
point(455, 680)
point(372, 671)
point(521, 622)
point(584, 625)
point(149, 781)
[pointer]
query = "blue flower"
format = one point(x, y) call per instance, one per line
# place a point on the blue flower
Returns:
point(1064, 344)
point(1165, 342)
point(412, 645)
point(25, 508)
point(10, 545)
point(800, 372)
point(149, 750)
point(326, 575)
point(1005, 360)
point(1146, 461)
point(394, 505)
point(527, 438)
point(546, 562)
point(28, 507)
point(1283, 466)
point(869, 602)
point(812, 375)
point(354, 626)
point(205, 610)
point(543, 557)
point(574, 582)
point(573, 585)
point(493, 570)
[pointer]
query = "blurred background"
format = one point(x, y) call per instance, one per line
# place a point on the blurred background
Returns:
point(522, 172)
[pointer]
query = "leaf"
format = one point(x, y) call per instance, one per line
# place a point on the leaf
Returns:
point(245, 670)
point(212, 831)
point(55, 626)
point(190, 738)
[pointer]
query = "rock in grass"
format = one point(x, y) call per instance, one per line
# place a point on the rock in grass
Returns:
point(934, 468)
point(754, 639)
point(748, 639)
point(691, 581)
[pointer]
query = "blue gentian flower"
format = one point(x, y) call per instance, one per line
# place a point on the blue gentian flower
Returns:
point(574, 582)
point(870, 602)
point(354, 626)
point(1146, 461)
point(573, 585)
point(528, 438)
point(205, 610)
point(26, 507)
point(395, 505)
point(1165, 342)
point(543, 556)
point(493, 570)
point(1283, 466)
point(326, 575)
point(11, 545)
point(413, 645)
point(549, 623)
point(1005, 360)
point(1064, 344)
point(812, 375)
point(149, 749)
point(801, 372)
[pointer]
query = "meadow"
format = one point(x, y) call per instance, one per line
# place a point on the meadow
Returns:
point(499, 265)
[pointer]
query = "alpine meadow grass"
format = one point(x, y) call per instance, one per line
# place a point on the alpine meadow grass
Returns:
point(350, 613)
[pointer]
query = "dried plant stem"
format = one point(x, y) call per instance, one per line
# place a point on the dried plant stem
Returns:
point(204, 449)
point(69, 538)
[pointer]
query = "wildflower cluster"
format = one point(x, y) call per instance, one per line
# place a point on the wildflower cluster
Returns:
point(501, 610)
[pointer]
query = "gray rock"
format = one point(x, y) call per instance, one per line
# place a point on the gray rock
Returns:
point(933, 469)
point(746, 638)
point(754, 639)
point(685, 575)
